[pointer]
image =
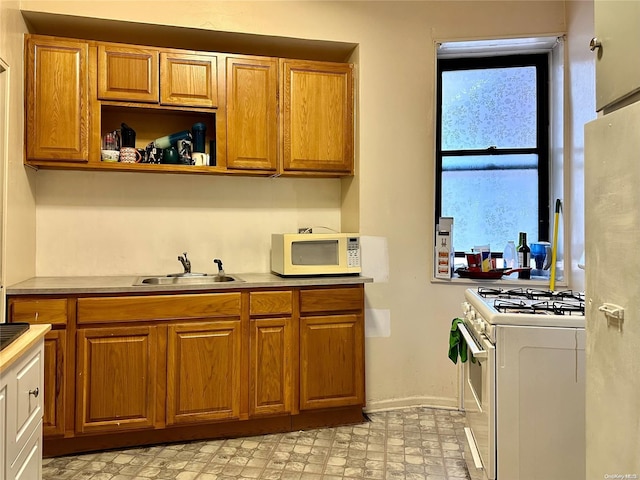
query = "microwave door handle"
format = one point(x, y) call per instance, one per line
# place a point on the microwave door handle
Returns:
point(476, 351)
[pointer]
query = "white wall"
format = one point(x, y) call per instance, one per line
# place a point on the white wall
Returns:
point(128, 223)
point(19, 220)
point(580, 101)
point(118, 223)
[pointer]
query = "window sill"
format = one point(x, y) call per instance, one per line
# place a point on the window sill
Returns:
point(506, 281)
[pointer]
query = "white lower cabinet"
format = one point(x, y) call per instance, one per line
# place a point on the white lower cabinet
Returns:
point(21, 409)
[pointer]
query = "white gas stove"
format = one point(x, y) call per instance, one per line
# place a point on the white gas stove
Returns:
point(524, 383)
point(487, 307)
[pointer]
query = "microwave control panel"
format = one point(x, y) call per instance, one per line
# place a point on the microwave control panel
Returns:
point(353, 252)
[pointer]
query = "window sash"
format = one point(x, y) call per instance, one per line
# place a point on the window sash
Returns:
point(541, 150)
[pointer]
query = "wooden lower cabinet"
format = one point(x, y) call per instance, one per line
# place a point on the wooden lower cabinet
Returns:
point(56, 358)
point(116, 378)
point(271, 366)
point(203, 371)
point(331, 361)
point(126, 370)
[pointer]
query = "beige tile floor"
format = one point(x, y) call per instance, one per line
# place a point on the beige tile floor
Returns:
point(409, 444)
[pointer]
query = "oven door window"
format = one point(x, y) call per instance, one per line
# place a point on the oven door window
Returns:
point(475, 381)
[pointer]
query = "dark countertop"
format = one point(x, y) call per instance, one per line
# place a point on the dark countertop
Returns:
point(125, 284)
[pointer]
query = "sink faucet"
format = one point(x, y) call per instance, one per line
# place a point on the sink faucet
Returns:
point(185, 262)
point(220, 269)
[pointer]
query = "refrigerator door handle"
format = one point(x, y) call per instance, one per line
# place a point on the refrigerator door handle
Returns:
point(612, 310)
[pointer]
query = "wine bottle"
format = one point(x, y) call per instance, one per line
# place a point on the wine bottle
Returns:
point(524, 255)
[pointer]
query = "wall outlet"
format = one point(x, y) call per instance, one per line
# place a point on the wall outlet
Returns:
point(305, 230)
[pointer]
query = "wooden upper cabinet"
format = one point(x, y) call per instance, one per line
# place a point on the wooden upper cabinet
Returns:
point(127, 73)
point(317, 116)
point(57, 99)
point(252, 122)
point(188, 80)
point(264, 115)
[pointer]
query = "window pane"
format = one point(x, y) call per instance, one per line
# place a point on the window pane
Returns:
point(490, 206)
point(485, 107)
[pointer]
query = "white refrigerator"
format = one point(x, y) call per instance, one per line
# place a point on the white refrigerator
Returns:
point(612, 239)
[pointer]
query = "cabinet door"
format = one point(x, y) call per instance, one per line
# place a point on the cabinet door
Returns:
point(57, 99)
point(54, 382)
point(331, 361)
point(317, 116)
point(116, 378)
point(127, 73)
point(203, 371)
point(617, 68)
point(28, 464)
point(252, 123)
point(270, 377)
point(188, 80)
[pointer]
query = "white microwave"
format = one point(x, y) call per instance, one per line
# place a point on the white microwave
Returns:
point(315, 253)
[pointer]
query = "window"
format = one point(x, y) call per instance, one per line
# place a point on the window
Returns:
point(492, 148)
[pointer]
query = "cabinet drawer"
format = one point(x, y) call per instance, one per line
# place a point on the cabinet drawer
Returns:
point(53, 311)
point(262, 303)
point(163, 307)
point(331, 299)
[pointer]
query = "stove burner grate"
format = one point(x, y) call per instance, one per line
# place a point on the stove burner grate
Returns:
point(9, 332)
point(490, 292)
point(543, 307)
point(565, 308)
point(530, 294)
point(516, 306)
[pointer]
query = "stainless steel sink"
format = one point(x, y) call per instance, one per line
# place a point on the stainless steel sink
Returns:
point(187, 280)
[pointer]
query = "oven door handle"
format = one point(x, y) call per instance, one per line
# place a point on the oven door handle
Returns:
point(476, 351)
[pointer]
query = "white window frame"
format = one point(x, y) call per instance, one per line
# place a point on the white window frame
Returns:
point(552, 44)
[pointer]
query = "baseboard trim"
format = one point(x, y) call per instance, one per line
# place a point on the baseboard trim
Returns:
point(410, 402)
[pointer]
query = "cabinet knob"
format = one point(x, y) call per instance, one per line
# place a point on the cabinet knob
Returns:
point(594, 44)
point(35, 392)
